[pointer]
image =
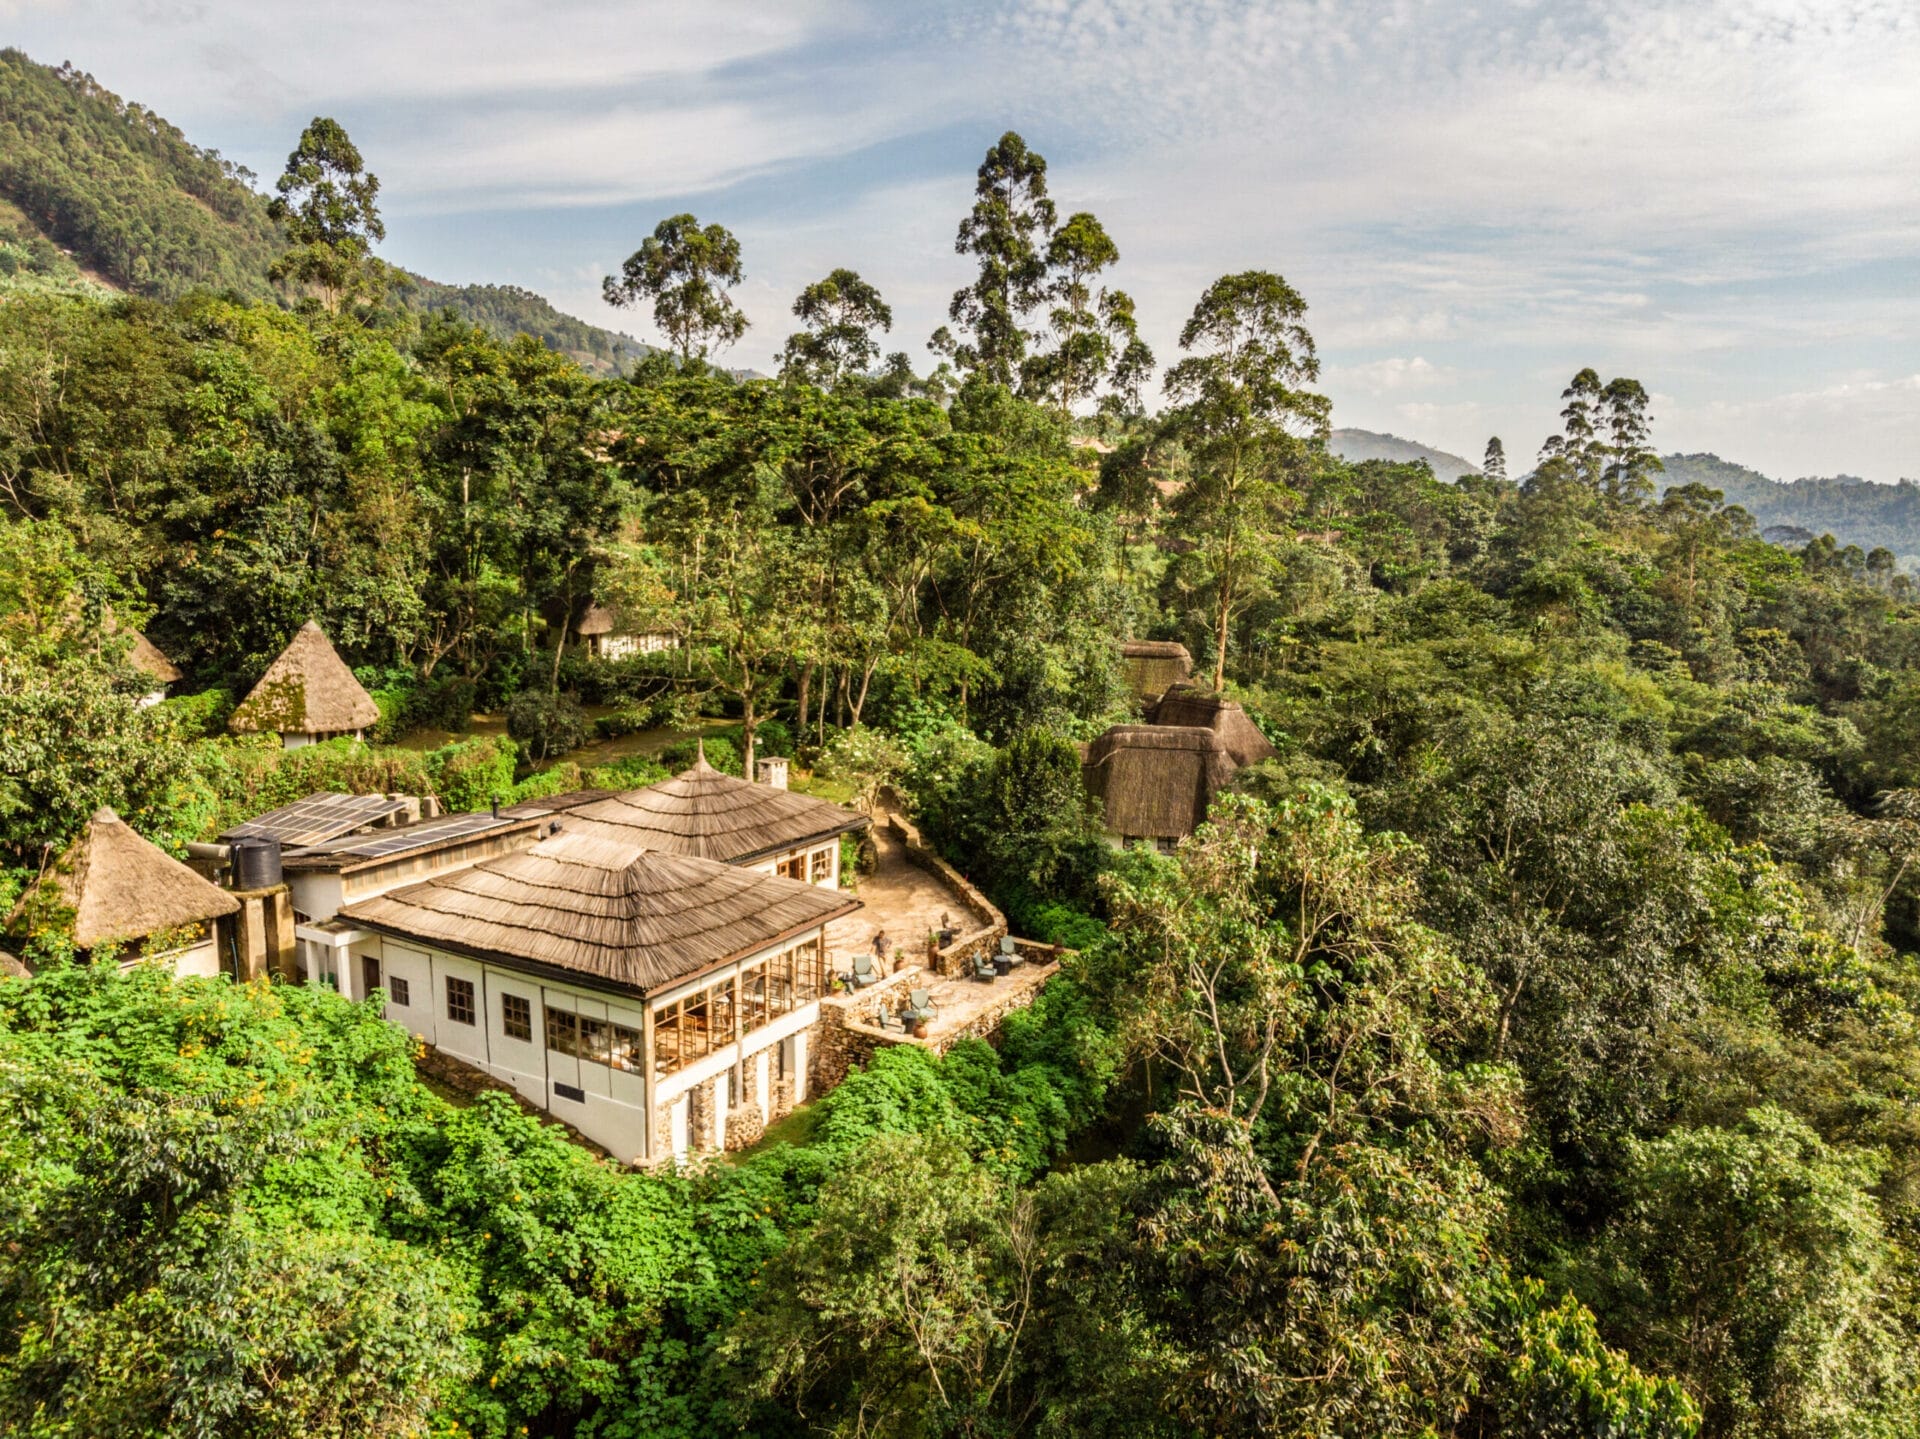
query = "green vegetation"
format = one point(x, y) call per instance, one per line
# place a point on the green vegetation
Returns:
point(1528, 1048)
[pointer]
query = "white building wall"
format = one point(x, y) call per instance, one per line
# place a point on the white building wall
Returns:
point(606, 1104)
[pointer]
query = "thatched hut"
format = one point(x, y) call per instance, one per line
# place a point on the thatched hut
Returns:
point(710, 815)
point(308, 694)
point(1152, 667)
point(146, 657)
point(1156, 782)
point(1239, 735)
point(639, 996)
point(126, 892)
point(607, 637)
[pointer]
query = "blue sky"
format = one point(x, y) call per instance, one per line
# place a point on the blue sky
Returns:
point(1719, 197)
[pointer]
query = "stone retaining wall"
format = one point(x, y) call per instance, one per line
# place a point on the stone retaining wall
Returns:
point(988, 925)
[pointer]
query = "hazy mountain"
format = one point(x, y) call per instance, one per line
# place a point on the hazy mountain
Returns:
point(1371, 445)
point(96, 189)
point(1854, 511)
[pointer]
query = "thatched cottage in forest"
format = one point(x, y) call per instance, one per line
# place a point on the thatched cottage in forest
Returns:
point(128, 895)
point(1156, 781)
point(307, 695)
point(1152, 667)
point(606, 638)
point(709, 815)
point(640, 996)
point(1239, 736)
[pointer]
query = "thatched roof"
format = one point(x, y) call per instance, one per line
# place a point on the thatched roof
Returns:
point(1184, 705)
point(1156, 781)
point(598, 620)
point(714, 816)
point(590, 908)
point(1155, 666)
point(563, 803)
point(146, 656)
point(308, 690)
point(121, 887)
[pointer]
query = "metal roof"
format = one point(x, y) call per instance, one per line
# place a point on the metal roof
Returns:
point(318, 818)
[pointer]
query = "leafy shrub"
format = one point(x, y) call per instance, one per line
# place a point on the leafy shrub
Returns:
point(721, 753)
point(548, 725)
point(471, 774)
point(201, 716)
point(554, 779)
point(446, 703)
point(634, 771)
point(621, 722)
point(392, 704)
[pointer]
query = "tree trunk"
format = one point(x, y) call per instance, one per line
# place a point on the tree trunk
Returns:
point(806, 683)
point(749, 724)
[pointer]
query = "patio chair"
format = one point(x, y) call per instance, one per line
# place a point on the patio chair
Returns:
point(864, 972)
point(919, 1009)
point(983, 968)
point(1007, 951)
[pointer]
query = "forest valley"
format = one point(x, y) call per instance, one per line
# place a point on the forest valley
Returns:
point(1530, 1048)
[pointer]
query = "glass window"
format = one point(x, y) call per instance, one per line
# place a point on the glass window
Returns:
point(780, 984)
point(627, 1052)
point(794, 866)
point(593, 1040)
point(695, 1026)
point(398, 992)
point(563, 1031)
point(822, 865)
point(753, 997)
point(460, 1000)
point(516, 1016)
point(810, 970)
point(666, 1038)
point(725, 1029)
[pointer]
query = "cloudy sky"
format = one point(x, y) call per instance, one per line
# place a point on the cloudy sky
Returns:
point(1477, 197)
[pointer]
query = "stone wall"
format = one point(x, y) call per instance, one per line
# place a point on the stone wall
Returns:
point(849, 1029)
point(985, 925)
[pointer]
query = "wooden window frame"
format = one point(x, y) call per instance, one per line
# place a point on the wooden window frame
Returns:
point(516, 1017)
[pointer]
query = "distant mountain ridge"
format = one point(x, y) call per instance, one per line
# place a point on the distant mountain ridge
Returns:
point(1854, 511)
point(1357, 445)
point(99, 190)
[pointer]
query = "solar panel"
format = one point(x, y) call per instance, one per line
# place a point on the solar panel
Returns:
point(318, 818)
point(414, 836)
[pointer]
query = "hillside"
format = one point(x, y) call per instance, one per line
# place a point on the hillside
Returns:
point(1372, 445)
point(1854, 511)
point(96, 189)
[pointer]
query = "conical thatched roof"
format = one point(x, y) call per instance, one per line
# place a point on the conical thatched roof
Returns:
point(1156, 781)
point(1154, 666)
point(1184, 705)
point(598, 620)
point(120, 887)
point(145, 655)
point(714, 816)
point(308, 690)
point(589, 907)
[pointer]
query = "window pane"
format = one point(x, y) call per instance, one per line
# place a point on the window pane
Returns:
point(593, 1039)
point(666, 1038)
point(694, 1027)
point(822, 865)
point(720, 997)
point(753, 998)
point(626, 1049)
point(460, 1000)
point(516, 1016)
point(563, 1031)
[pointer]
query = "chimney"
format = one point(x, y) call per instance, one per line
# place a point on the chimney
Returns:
point(772, 769)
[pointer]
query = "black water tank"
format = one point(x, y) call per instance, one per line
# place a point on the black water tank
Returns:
point(256, 863)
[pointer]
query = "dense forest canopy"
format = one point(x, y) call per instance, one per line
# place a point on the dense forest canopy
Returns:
point(1531, 1047)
